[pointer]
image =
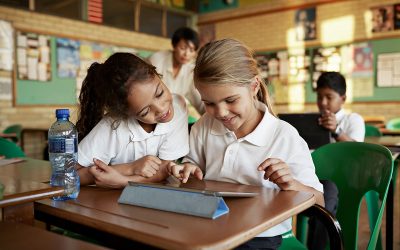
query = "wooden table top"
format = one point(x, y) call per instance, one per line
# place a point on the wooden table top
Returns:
point(392, 142)
point(17, 191)
point(98, 208)
point(26, 181)
point(29, 169)
point(21, 236)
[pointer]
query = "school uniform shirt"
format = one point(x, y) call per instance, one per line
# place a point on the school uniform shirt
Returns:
point(182, 84)
point(130, 142)
point(351, 124)
point(223, 157)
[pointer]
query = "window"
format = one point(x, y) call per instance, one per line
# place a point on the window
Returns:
point(20, 4)
point(68, 9)
point(175, 21)
point(119, 13)
point(151, 20)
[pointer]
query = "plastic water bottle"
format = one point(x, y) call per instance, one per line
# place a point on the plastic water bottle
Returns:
point(63, 155)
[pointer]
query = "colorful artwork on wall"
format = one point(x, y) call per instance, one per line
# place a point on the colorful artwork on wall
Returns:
point(33, 56)
point(68, 60)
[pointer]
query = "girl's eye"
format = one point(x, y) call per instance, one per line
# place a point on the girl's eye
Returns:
point(145, 113)
point(208, 104)
point(160, 94)
point(230, 100)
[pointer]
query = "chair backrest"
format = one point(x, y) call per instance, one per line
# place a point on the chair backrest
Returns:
point(9, 149)
point(16, 128)
point(371, 130)
point(393, 124)
point(356, 168)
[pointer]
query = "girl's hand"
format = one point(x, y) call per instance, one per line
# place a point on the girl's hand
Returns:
point(279, 173)
point(146, 166)
point(328, 121)
point(107, 176)
point(182, 172)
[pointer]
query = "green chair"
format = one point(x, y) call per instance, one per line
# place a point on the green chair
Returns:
point(9, 149)
point(17, 129)
point(290, 242)
point(393, 124)
point(371, 130)
point(357, 168)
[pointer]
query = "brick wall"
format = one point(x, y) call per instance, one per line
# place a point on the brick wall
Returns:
point(268, 27)
point(43, 116)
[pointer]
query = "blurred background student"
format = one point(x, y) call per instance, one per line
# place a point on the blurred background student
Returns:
point(176, 67)
point(331, 95)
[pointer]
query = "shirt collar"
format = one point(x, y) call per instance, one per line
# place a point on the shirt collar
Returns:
point(137, 133)
point(340, 115)
point(260, 136)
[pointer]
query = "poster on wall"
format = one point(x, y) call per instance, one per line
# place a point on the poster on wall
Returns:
point(388, 70)
point(382, 18)
point(68, 60)
point(6, 46)
point(305, 24)
point(397, 16)
point(33, 56)
point(361, 75)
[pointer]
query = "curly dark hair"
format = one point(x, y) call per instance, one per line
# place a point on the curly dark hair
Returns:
point(105, 90)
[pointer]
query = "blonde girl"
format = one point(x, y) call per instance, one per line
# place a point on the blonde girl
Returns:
point(239, 139)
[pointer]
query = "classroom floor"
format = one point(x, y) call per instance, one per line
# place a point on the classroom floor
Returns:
point(364, 232)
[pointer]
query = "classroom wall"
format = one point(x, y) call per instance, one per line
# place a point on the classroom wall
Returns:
point(43, 116)
point(270, 27)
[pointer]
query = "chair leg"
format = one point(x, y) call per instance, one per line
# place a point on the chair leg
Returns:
point(389, 208)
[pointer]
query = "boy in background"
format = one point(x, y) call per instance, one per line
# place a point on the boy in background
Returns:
point(331, 95)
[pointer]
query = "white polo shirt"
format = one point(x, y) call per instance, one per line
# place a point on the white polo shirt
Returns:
point(352, 124)
point(130, 142)
point(223, 157)
point(183, 83)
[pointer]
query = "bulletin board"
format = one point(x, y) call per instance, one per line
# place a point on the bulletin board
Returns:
point(300, 77)
point(55, 91)
point(57, 88)
point(380, 94)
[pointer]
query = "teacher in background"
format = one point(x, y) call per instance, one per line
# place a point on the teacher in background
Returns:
point(176, 67)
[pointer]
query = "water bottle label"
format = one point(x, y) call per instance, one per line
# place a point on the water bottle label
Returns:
point(61, 145)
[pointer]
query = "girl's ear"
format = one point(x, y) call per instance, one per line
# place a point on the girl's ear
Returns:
point(255, 85)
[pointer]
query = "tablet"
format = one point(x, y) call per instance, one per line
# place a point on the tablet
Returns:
point(204, 191)
point(308, 128)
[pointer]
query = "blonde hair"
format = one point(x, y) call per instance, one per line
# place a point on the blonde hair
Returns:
point(228, 61)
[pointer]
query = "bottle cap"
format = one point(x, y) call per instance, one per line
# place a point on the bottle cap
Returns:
point(60, 113)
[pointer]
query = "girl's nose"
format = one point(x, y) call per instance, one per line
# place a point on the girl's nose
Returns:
point(222, 112)
point(158, 108)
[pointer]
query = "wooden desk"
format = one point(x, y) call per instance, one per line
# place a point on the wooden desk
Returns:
point(22, 186)
point(97, 213)
point(391, 142)
point(392, 132)
point(20, 236)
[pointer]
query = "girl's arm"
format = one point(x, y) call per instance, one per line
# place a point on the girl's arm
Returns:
point(146, 166)
point(278, 172)
point(86, 178)
point(108, 176)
